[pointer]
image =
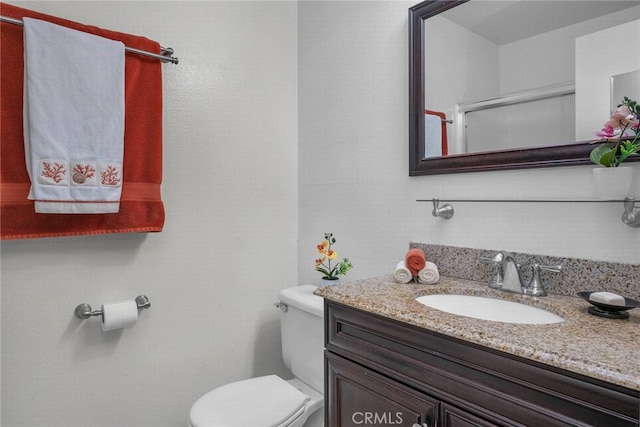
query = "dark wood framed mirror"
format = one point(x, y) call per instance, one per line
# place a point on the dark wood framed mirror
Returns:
point(553, 153)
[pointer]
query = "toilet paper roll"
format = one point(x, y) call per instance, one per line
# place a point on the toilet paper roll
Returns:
point(119, 315)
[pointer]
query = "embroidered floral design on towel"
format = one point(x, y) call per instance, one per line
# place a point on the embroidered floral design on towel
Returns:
point(83, 174)
point(110, 175)
point(53, 172)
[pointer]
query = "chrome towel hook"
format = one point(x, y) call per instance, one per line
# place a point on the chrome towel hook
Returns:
point(83, 311)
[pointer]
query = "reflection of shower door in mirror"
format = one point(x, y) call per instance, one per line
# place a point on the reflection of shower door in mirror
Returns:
point(627, 84)
point(523, 124)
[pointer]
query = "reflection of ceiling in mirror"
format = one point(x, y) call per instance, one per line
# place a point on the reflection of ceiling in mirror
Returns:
point(495, 20)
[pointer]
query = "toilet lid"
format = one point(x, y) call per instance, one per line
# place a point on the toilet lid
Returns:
point(257, 402)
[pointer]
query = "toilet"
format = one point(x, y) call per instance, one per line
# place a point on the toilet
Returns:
point(271, 401)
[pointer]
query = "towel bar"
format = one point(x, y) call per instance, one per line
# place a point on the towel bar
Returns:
point(630, 217)
point(166, 54)
point(83, 311)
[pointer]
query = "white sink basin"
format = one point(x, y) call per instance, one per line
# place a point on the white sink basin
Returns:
point(485, 308)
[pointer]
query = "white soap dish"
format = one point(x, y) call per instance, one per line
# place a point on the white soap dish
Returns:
point(609, 311)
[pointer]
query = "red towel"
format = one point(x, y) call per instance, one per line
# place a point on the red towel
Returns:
point(415, 260)
point(141, 208)
point(443, 117)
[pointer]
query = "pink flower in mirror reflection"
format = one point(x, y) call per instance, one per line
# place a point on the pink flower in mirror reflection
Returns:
point(607, 132)
point(621, 123)
point(623, 117)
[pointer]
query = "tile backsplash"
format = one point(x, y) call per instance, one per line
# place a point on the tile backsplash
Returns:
point(577, 275)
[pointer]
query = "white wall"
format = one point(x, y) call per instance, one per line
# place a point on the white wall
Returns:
point(212, 275)
point(354, 162)
point(550, 58)
point(469, 63)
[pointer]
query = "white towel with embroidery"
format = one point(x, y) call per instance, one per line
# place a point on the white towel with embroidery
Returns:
point(73, 119)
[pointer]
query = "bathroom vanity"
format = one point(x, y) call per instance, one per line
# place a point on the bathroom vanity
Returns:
point(392, 361)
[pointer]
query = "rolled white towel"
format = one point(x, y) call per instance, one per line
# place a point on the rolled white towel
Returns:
point(402, 273)
point(429, 275)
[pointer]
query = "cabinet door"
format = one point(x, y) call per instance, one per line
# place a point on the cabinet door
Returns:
point(456, 417)
point(358, 397)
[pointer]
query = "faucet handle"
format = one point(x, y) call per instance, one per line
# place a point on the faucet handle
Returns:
point(496, 260)
point(536, 287)
point(551, 268)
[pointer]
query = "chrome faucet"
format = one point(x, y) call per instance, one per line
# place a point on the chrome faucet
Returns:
point(507, 272)
point(507, 275)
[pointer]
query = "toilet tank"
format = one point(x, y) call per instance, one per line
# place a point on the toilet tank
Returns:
point(302, 328)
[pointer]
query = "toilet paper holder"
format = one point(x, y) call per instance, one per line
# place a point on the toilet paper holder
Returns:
point(83, 311)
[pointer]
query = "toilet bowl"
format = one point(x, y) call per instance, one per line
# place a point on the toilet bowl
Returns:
point(270, 401)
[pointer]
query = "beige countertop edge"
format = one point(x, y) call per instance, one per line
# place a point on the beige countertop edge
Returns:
point(604, 349)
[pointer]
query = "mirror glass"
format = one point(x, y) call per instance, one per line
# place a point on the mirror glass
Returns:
point(622, 85)
point(502, 84)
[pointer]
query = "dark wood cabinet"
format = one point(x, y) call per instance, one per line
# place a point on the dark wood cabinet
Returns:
point(382, 372)
point(363, 397)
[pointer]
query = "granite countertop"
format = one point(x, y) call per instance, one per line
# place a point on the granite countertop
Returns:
point(605, 349)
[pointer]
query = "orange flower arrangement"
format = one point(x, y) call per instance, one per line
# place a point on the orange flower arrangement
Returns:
point(323, 264)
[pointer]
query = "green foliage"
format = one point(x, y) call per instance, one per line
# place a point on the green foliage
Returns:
point(604, 155)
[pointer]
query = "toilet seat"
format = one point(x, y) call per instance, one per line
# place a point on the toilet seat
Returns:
point(267, 401)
